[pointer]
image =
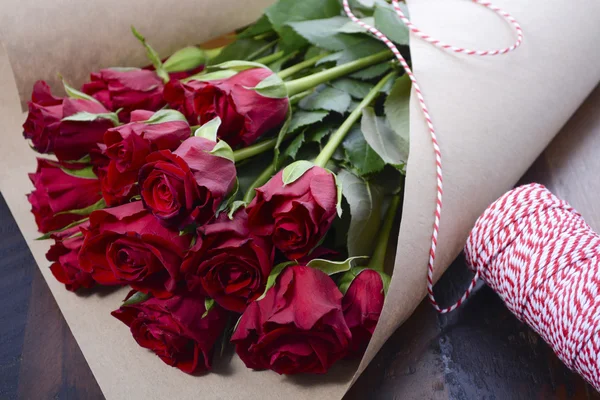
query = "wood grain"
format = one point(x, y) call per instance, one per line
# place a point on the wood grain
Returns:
point(480, 351)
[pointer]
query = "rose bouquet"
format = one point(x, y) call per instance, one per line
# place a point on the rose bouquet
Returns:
point(246, 194)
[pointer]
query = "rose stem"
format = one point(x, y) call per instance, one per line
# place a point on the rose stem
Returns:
point(335, 139)
point(262, 178)
point(378, 257)
point(270, 58)
point(294, 69)
point(301, 84)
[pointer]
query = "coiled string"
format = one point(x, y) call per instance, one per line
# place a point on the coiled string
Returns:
point(432, 132)
point(543, 260)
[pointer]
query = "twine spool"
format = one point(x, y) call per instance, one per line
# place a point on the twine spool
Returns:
point(543, 260)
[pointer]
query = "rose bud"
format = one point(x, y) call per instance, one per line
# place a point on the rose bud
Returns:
point(49, 129)
point(298, 327)
point(188, 185)
point(64, 255)
point(362, 305)
point(127, 245)
point(176, 329)
point(228, 263)
point(127, 89)
point(60, 188)
point(246, 114)
point(296, 215)
point(127, 146)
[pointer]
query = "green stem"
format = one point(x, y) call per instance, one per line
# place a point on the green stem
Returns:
point(261, 180)
point(336, 139)
point(270, 58)
point(378, 258)
point(310, 81)
point(254, 150)
point(294, 69)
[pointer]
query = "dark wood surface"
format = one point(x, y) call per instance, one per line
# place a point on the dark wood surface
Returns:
point(481, 351)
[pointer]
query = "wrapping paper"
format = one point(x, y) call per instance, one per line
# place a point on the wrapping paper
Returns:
point(494, 116)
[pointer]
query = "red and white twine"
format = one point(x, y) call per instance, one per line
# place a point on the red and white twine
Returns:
point(424, 109)
point(543, 260)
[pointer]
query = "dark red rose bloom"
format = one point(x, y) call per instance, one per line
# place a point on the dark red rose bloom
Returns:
point(64, 255)
point(127, 245)
point(127, 146)
point(187, 185)
point(298, 327)
point(129, 89)
point(175, 330)
point(228, 263)
point(58, 192)
point(362, 305)
point(68, 140)
point(298, 215)
point(245, 114)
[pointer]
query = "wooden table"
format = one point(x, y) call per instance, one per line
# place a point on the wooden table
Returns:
point(480, 351)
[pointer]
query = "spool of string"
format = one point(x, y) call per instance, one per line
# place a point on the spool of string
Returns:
point(543, 260)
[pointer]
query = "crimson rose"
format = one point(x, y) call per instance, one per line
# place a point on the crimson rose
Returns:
point(57, 192)
point(187, 185)
point(245, 113)
point(362, 306)
point(68, 140)
point(297, 215)
point(64, 254)
point(298, 327)
point(175, 329)
point(127, 147)
point(128, 89)
point(228, 263)
point(127, 245)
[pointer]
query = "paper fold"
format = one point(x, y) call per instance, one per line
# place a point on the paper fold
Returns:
point(494, 116)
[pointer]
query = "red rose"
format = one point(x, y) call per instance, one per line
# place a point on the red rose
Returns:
point(175, 329)
point(245, 114)
point(298, 327)
point(57, 192)
point(68, 140)
point(228, 263)
point(187, 185)
point(362, 305)
point(127, 245)
point(129, 89)
point(64, 254)
point(127, 147)
point(297, 215)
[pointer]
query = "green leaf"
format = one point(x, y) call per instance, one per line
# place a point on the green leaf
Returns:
point(76, 94)
point(222, 149)
point(286, 11)
point(241, 49)
point(391, 147)
point(162, 116)
point(84, 116)
point(208, 305)
point(236, 65)
point(83, 160)
point(339, 194)
point(316, 133)
point(85, 173)
point(365, 201)
point(285, 129)
point(329, 99)
point(225, 204)
point(359, 47)
point(211, 76)
point(397, 109)
point(305, 118)
point(275, 272)
point(334, 267)
point(390, 24)
point(363, 159)
point(185, 59)
point(209, 130)
point(236, 205)
point(261, 26)
point(72, 224)
point(272, 87)
point(386, 279)
point(353, 27)
point(353, 87)
point(152, 56)
point(136, 298)
point(324, 33)
point(372, 72)
point(99, 205)
point(295, 170)
point(292, 150)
